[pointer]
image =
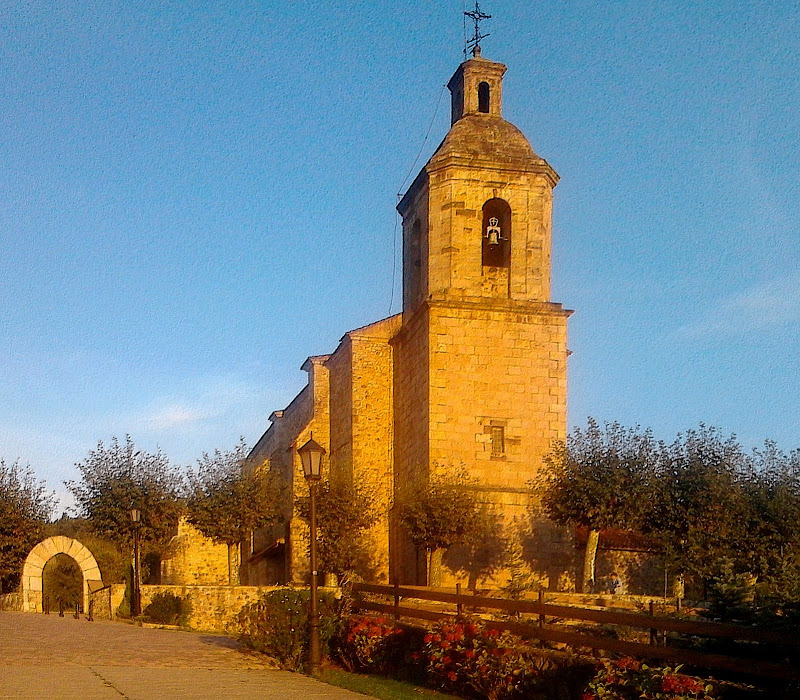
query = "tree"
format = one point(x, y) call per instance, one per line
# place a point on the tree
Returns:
point(119, 477)
point(437, 513)
point(226, 504)
point(699, 512)
point(772, 489)
point(598, 478)
point(344, 514)
point(25, 507)
point(520, 579)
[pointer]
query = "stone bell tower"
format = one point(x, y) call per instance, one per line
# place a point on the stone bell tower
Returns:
point(480, 362)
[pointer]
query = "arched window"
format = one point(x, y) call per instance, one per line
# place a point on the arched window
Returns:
point(496, 233)
point(483, 97)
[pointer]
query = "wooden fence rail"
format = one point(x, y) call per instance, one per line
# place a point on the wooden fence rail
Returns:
point(539, 630)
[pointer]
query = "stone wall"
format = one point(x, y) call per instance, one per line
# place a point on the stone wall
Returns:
point(214, 608)
point(193, 559)
point(11, 602)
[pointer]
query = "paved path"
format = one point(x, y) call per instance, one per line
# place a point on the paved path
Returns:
point(44, 657)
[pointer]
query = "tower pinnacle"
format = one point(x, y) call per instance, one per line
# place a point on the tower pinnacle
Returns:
point(475, 42)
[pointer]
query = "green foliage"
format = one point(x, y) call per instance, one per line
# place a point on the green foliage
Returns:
point(62, 579)
point(25, 508)
point(699, 510)
point(599, 477)
point(168, 609)
point(277, 625)
point(226, 504)
point(713, 510)
point(520, 579)
point(115, 479)
point(438, 512)
point(629, 679)
point(772, 485)
point(731, 594)
point(344, 513)
point(377, 687)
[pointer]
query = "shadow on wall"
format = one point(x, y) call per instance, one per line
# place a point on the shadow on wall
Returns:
point(550, 552)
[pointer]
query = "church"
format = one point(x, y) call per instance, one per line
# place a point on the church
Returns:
point(472, 373)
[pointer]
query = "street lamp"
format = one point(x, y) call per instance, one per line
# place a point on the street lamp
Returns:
point(311, 457)
point(136, 603)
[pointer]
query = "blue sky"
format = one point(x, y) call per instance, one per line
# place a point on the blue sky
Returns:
point(196, 196)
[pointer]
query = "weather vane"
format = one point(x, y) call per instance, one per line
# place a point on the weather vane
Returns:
point(475, 42)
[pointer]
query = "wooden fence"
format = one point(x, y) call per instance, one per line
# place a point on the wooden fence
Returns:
point(539, 629)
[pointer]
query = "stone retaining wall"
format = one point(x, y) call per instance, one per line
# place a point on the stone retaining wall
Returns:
point(11, 602)
point(214, 608)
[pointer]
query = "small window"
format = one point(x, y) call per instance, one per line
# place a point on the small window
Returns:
point(483, 98)
point(498, 441)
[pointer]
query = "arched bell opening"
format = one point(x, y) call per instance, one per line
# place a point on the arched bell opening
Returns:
point(496, 245)
point(483, 97)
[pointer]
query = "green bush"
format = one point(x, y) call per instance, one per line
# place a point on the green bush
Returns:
point(168, 609)
point(629, 679)
point(277, 625)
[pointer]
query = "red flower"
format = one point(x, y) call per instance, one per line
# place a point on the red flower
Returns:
point(445, 644)
point(492, 633)
point(626, 662)
point(428, 638)
point(469, 653)
point(452, 675)
point(671, 684)
point(587, 696)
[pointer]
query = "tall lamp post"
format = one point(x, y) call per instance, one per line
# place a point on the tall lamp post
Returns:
point(311, 457)
point(136, 603)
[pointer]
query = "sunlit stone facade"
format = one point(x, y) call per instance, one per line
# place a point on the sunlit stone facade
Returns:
point(473, 372)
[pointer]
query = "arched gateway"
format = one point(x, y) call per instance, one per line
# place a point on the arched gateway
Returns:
point(41, 554)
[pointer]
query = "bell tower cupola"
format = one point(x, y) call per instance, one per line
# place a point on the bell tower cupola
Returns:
point(476, 88)
point(477, 219)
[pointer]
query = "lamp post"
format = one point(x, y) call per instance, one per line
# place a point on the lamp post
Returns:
point(311, 457)
point(136, 603)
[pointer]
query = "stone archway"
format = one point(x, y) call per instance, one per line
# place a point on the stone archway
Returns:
point(41, 554)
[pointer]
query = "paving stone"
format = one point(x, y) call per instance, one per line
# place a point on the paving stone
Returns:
point(45, 656)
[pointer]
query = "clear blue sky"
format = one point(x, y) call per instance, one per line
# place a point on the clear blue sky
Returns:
point(195, 196)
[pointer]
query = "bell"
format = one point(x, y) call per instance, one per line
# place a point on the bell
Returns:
point(494, 236)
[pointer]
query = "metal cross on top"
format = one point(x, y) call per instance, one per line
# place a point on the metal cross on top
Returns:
point(475, 42)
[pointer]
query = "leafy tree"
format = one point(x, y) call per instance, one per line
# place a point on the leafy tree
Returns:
point(118, 477)
point(25, 508)
point(226, 504)
point(772, 488)
point(520, 579)
point(344, 515)
point(699, 510)
point(437, 513)
point(598, 478)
